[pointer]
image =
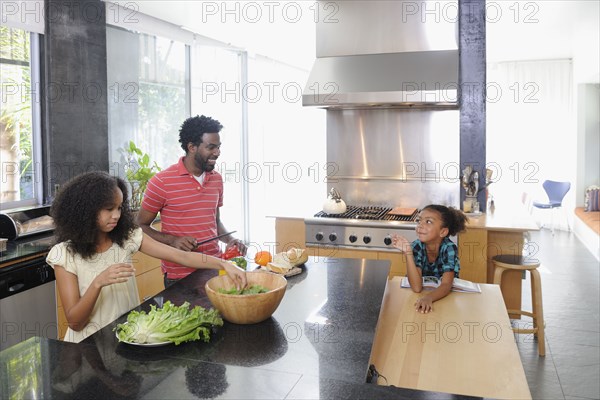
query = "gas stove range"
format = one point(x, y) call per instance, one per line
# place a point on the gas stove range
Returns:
point(369, 228)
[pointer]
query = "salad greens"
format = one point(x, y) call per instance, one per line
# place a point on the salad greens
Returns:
point(170, 323)
point(240, 262)
point(253, 289)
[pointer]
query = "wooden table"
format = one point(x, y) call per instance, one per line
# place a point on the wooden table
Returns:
point(465, 346)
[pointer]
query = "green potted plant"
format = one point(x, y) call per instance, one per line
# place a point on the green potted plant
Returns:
point(138, 171)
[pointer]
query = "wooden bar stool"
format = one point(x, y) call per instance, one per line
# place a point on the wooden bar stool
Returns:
point(506, 262)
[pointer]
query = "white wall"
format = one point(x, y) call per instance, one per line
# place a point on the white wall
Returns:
point(588, 138)
point(586, 42)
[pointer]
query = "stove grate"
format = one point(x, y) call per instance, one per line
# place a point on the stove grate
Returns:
point(373, 213)
point(404, 218)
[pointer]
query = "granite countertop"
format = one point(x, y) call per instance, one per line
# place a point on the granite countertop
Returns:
point(26, 247)
point(316, 345)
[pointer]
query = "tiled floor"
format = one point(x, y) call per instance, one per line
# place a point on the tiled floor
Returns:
point(570, 287)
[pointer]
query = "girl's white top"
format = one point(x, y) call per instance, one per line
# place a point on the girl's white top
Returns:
point(114, 300)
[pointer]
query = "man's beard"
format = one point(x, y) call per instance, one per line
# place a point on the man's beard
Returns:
point(204, 165)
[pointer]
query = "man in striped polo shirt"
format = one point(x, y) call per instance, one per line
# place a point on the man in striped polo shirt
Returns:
point(188, 196)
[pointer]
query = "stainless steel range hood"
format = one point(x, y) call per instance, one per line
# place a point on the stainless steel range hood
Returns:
point(386, 54)
point(410, 79)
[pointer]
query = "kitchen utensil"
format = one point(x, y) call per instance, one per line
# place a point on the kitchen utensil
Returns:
point(215, 238)
point(467, 206)
point(408, 211)
point(334, 203)
point(249, 308)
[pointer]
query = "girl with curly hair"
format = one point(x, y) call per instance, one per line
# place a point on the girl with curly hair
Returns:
point(434, 254)
point(96, 239)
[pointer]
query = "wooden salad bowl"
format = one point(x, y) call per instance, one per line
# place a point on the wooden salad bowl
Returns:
point(247, 308)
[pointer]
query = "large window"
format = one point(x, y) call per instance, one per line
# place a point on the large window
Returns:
point(286, 148)
point(530, 146)
point(20, 182)
point(216, 81)
point(148, 83)
point(273, 149)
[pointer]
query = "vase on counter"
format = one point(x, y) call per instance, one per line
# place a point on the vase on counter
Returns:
point(471, 205)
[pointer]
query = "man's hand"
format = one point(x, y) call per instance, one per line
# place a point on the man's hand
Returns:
point(185, 243)
point(239, 244)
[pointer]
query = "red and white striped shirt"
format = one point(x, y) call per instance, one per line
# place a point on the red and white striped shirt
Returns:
point(186, 208)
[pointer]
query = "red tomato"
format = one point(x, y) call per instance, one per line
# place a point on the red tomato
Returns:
point(231, 253)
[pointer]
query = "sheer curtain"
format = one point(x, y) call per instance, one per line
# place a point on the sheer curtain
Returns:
point(273, 149)
point(286, 149)
point(216, 79)
point(531, 132)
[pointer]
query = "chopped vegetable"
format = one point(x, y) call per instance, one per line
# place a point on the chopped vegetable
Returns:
point(230, 253)
point(170, 323)
point(253, 289)
point(240, 262)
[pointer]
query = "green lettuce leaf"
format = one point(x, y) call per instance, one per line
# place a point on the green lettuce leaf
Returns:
point(170, 323)
point(253, 289)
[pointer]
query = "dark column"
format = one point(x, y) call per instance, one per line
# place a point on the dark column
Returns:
point(75, 98)
point(472, 76)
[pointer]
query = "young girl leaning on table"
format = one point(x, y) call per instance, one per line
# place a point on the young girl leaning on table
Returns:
point(96, 239)
point(434, 254)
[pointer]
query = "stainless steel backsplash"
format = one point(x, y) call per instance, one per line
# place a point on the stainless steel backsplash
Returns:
point(394, 157)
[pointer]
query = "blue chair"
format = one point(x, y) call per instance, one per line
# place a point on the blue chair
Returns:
point(556, 192)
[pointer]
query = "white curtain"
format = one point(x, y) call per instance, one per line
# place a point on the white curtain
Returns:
point(531, 132)
point(286, 148)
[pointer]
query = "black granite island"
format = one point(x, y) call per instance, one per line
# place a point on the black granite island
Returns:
point(316, 345)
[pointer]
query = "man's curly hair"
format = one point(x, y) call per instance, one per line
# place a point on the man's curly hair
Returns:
point(193, 128)
point(75, 211)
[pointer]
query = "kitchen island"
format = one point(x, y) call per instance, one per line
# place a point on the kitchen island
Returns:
point(316, 345)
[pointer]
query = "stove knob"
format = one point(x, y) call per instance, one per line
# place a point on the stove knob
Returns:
point(367, 239)
point(333, 237)
point(319, 236)
point(387, 240)
point(352, 238)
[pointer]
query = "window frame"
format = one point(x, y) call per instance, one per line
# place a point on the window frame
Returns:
point(36, 127)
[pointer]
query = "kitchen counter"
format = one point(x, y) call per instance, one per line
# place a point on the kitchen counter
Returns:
point(316, 345)
point(26, 248)
point(34, 246)
point(501, 231)
point(514, 219)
